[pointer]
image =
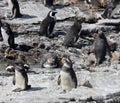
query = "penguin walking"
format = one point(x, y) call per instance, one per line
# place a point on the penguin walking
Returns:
point(47, 25)
point(101, 47)
point(14, 6)
point(20, 78)
point(73, 34)
point(67, 78)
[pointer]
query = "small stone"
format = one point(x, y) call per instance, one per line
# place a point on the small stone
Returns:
point(88, 84)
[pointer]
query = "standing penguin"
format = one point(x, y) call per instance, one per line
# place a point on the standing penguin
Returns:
point(73, 34)
point(47, 25)
point(101, 47)
point(108, 11)
point(48, 2)
point(88, 3)
point(20, 78)
point(67, 78)
point(7, 35)
point(14, 6)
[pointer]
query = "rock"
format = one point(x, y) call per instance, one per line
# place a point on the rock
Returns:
point(91, 59)
point(88, 84)
point(113, 45)
point(66, 2)
point(115, 56)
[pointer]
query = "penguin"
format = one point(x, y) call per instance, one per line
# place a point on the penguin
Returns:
point(88, 3)
point(20, 78)
point(9, 39)
point(67, 78)
point(101, 47)
point(108, 11)
point(7, 35)
point(73, 34)
point(14, 6)
point(50, 60)
point(48, 3)
point(47, 25)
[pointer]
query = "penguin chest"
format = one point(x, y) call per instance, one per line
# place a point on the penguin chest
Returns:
point(100, 48)
point(19, 80)
point(5, 36)
point(66, 81)
point(10, 4)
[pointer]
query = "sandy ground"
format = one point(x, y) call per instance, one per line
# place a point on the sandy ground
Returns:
point(45, 88)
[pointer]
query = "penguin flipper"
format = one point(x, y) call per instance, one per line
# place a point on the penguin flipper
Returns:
point(13, 80)
point(51, 27)
point(74, 78)
point(59, 80)
point(75, 81)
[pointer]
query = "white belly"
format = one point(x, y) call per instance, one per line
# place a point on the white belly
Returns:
point(20, 81)
point(5, 37)
point(44, 2)
point(66, 81)
point(10, 4)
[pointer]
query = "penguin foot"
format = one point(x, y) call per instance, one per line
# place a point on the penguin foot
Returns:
point(28, 87)
point(51, 36)
point(17, 90)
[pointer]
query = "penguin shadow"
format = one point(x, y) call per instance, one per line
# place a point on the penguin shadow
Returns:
point(22, 47)
point(57, 33)
point(58, 6)
point(15, 34)
point(36, 89)
point(26, 16)
point(80, 45)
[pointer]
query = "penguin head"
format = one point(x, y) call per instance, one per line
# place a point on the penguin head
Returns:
point(6, 27)
point(10, 68)
point(102, 33)
point(67, 63)
point(89, 1)
point(52, 13)
point(19, 66)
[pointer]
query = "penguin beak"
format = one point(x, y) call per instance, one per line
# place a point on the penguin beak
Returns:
point(54, 12)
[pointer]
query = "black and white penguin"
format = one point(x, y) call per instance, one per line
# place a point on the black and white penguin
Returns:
point(7, 35)
point(73, 34)
point(67, 78)
point(47, 25)
point(101, 47)
point(14, 6)
point(108, 11)
point(20, 78)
